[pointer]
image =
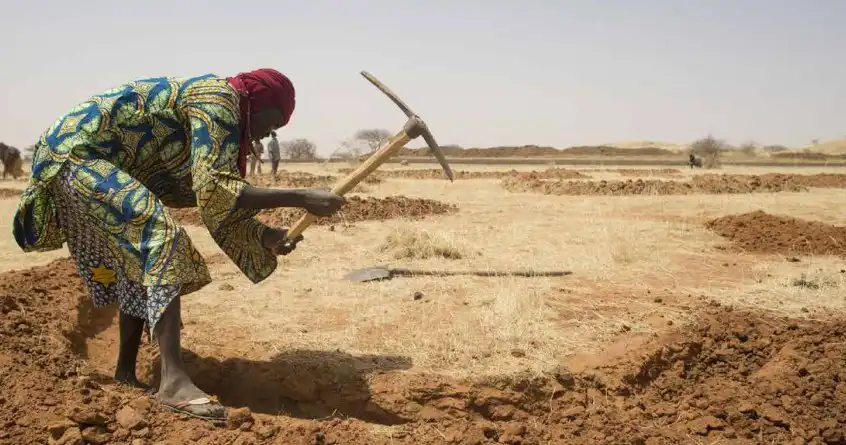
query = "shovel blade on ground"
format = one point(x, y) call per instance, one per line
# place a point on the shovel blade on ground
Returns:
point(369, 274)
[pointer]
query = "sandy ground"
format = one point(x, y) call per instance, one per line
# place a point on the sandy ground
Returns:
point(641, 266)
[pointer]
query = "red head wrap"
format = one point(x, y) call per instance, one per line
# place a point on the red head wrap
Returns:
point(259, 89)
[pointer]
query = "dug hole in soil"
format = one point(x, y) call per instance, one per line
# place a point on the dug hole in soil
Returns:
point(356, 209)
point(732, 377)
point(760, 232)
point(699, 184)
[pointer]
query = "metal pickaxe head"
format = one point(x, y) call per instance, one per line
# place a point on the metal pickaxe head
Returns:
point(415, 126)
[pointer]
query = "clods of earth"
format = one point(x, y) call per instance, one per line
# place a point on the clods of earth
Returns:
point(730, 377)
point(699, 184)
point(356, 209)
point(761, 232)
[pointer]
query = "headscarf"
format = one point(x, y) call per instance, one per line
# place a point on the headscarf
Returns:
point(259, 89)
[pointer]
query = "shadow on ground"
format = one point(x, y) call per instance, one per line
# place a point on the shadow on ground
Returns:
point(301, 383)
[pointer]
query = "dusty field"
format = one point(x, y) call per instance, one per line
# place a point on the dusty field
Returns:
point(299, 179)
point(715, 315)
point(697, 184)
point(638, 172)
point(357, 209)
point(437, 173)
point(9, 193)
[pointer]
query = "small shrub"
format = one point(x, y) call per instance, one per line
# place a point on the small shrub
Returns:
point(749, 149)
point(709, 149)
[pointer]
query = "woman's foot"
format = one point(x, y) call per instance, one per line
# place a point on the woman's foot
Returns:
point(129, 378)
point(176, 391)
point(181, 395)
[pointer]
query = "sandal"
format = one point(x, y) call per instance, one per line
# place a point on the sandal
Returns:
point(181, 408)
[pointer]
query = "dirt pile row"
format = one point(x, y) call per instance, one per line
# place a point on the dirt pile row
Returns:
point(528, 151)
point(734, 376)
point(6, 193)
point(492, 152)
point(550, 173)
point(356, 209)
point(700, 184)
point(761, 232)
point(821, 180)
point(639, 172)
point(808, 156)
point(308, 180)
point(434, 173)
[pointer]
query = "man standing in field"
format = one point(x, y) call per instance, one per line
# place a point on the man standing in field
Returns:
point(11, 159)
point(273, 149)
point(255, 157)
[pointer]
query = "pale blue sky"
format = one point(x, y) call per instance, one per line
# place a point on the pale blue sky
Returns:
point(480, 73)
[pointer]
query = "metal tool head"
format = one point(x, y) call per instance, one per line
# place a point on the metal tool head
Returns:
point(370, 274)
point(415, 126)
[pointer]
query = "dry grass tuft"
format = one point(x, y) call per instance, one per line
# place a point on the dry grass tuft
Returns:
point(422, 244)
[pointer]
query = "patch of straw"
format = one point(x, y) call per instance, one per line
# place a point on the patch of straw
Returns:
point(422, 244)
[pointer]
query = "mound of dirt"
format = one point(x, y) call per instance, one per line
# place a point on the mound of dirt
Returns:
point(528, 151)
point(615, 151)
point(493, 152)
point(308, 180)
point(10, 193)
point(734, 376)
point(433, 173)
point(821, 180)
point(808, 156)
point(700, 184)
point(761, 232)
point(356, 209)
point(550, 173)
point(637, 172)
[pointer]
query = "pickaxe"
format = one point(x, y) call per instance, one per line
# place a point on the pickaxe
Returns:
point(413, 128)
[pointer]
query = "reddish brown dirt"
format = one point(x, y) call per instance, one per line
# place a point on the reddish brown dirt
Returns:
point(821, 180)
point(550, 173)
point(761, 232)
point(734, 377)
point(356, 209)
point(10, 193)
point(700, 184)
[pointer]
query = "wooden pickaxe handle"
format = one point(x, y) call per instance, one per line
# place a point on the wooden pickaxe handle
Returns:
point(394, 145)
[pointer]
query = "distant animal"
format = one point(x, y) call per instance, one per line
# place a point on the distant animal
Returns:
point(694, 161)
point(12, 162)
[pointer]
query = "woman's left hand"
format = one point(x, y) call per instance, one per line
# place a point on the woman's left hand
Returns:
point(276, 240)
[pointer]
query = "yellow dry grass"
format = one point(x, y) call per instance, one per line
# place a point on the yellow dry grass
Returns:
point(407, 243)
point(639, 263)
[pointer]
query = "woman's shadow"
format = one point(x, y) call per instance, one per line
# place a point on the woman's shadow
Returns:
point(300, 383)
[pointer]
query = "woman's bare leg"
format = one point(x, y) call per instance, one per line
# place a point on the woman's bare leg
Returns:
point(130, 329)
point(176, 387)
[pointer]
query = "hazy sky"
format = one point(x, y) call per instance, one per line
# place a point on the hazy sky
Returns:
point(480, 72)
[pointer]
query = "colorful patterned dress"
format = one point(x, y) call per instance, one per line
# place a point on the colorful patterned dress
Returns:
point(104, 173)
